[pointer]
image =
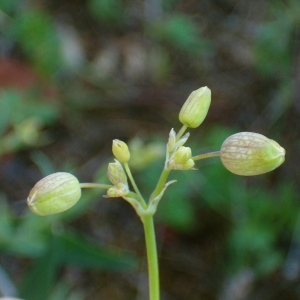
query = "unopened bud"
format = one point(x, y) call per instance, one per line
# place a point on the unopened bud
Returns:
point(248, 154)
point(188, 165)
point(116, 174)
point(117, 192)
point(195, 108)
point(54, 193)
point(181, 160)
point(182, 155)
point(120, 151)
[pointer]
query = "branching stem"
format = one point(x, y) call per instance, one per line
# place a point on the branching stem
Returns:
point(206, 155)
point(89, 185)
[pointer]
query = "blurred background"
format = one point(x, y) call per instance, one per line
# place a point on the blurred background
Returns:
point(76, 74)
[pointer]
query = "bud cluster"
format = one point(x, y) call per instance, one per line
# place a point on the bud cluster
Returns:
point(244, 153)
point(181, 159)
point(118, 178)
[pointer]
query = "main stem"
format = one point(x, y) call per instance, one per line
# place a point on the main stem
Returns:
point(151, 248)
point(149, 230)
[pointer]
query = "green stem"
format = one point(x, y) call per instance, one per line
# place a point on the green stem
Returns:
point(206, 155)
point(181, 132)
point(160, 184)
point(89, 185)
point(127, 169)
point(151, 248)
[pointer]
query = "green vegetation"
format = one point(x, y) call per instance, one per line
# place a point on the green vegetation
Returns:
point(75, 76)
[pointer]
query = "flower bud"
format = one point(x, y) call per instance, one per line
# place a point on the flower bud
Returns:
point(117, 192)
point(54, 193)
point(188, 165)
point(182, 155)
point(195, 108)
point(116, 174)
point(181, 160)
point(120, 151)
point(118, 178)
point(112, 192)
point(248, 154)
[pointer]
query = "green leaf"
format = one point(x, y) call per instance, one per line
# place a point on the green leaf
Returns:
point(39, 280)
point(63, 290)
point(35, 32)
point(110, 11)
point(181, 32)
point(6, 225)
point(31, 236)
point(7, 6)
point(80, 252)
point(15, 107)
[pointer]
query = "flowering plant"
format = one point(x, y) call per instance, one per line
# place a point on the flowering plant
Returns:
point(244, 153)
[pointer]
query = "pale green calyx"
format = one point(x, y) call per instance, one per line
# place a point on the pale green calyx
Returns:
point(195, 108)
point(54, 193)
point(182, 155)
point(181, 159)
point(118, 178)
point(117, 192)
point(120, 151)
point(116, 173)
point(248, 154)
